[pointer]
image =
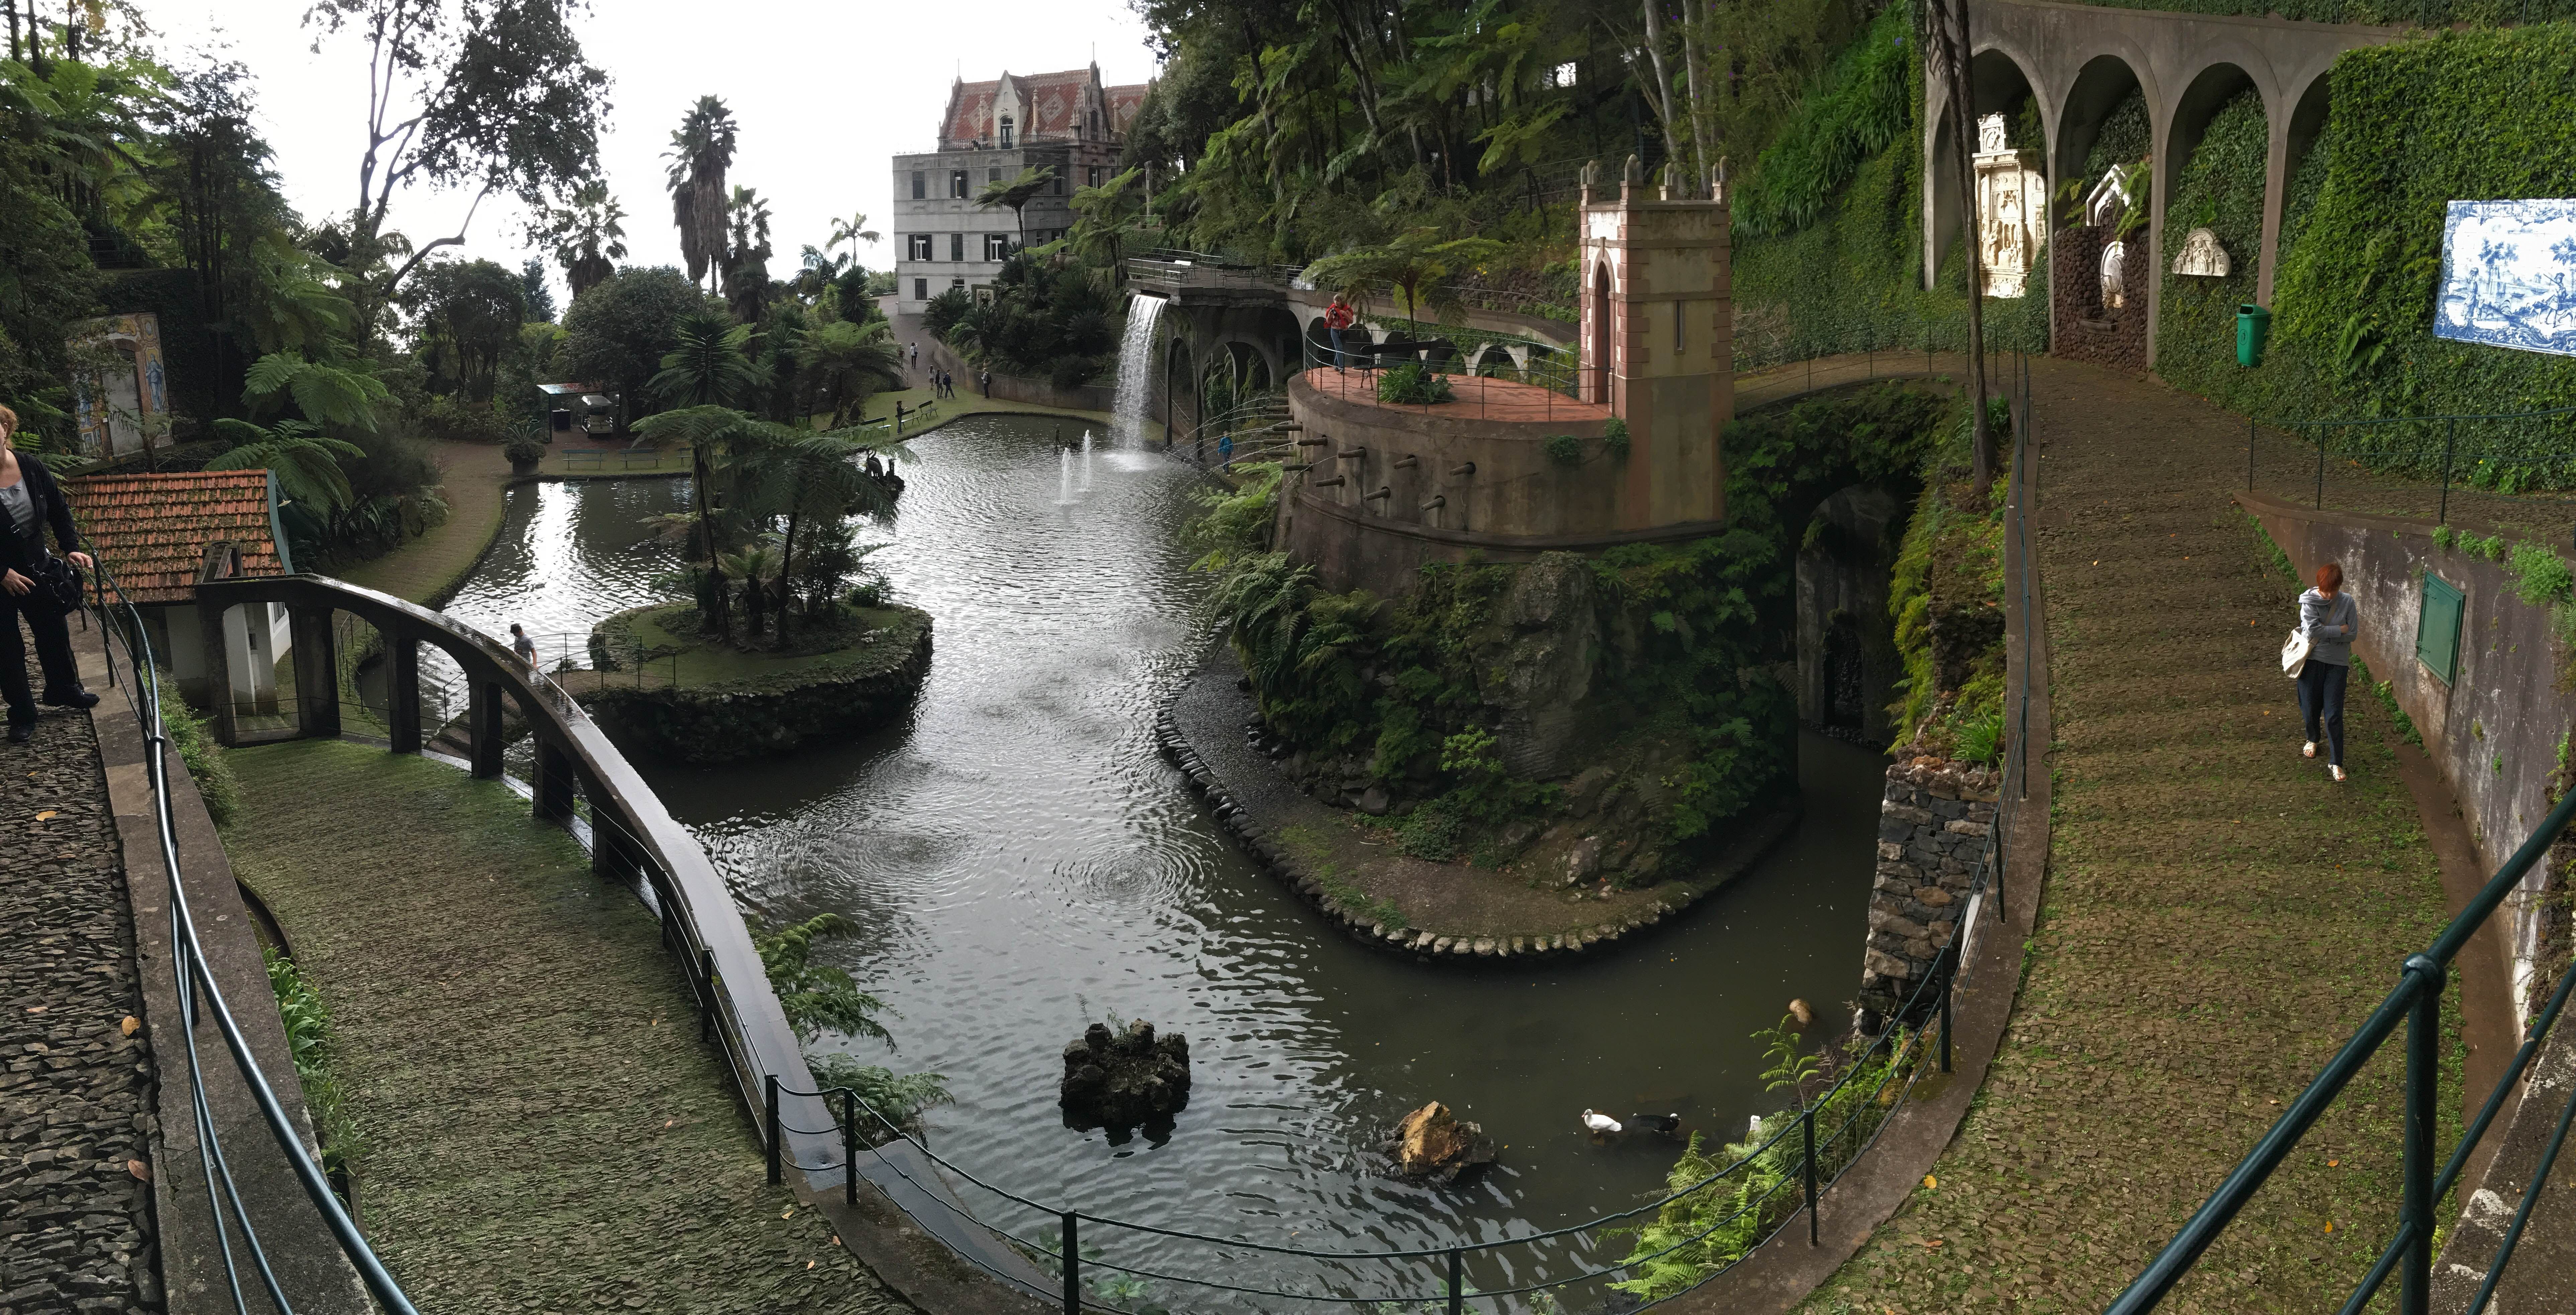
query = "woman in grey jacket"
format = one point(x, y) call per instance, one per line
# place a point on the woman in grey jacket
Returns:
point(2330, 620)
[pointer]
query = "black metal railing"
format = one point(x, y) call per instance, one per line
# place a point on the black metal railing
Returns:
point(201, 998)
point(1809, 1152)
point(2504, 453)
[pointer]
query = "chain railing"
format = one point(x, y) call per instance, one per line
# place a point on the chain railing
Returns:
point(1809, 1146)
point(201, 998)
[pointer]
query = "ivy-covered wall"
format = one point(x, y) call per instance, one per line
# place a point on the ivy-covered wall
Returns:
point(2387, 13)
point(2460, 115)
point(2221, 189)
point(1828, 246)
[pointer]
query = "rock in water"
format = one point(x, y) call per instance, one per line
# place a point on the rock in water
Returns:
point(1120, 1080)
point(1432, 1143)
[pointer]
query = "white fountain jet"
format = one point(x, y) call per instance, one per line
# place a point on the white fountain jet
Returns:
point(1064, 477)
point(1086, 461)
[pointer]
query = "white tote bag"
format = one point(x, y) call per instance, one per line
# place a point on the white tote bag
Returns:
point(2294, 653)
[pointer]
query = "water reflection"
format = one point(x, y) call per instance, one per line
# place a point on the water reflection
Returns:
point(1024, 864)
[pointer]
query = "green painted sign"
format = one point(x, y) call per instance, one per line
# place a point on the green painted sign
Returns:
point(2437, 628)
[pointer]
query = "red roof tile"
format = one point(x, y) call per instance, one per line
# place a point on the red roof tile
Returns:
point(152, 530)
point(1123, 104)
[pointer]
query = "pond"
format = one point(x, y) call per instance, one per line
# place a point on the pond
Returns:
point(1025, 863)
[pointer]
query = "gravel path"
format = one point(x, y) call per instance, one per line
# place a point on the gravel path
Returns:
point(2218, 915)
point(75, 1088)
point(543, 1129)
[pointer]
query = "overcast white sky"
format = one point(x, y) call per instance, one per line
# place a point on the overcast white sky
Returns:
point(825, 90)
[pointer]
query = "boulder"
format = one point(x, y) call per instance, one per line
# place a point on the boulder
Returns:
point(1433, 1143)
point(1119, 1080)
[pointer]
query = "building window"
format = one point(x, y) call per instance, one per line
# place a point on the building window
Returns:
point(993, 175)
point(921, 289)
point(997, 246)
point(1095, 123)
point(1091, 176)
point(920, 184)
point(957, 183)
point(954, 284)
point(1059, 184)
point(1006, 132)
point(916, 246)
point(957, 246)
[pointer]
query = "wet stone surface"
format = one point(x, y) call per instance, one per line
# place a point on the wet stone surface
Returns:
point(75, 1089)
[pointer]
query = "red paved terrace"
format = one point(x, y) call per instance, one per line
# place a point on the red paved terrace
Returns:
point(1477, 398)
point(152, 530)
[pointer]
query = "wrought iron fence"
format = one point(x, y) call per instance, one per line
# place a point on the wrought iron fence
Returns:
point(2507, 453)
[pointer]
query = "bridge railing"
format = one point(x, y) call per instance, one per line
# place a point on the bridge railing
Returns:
point(580, 780)
point(1103, 1263)
point(200, 1001)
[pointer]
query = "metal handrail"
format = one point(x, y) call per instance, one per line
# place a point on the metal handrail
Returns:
point(2404, 458)
point(198, 991)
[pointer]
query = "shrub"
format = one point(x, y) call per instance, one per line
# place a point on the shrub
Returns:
point(524, 451)
point(1614, 437)
point(203, 758)
point(1071, 372)
point(1413, 384)
point(1564, 449)
point(308, 1044)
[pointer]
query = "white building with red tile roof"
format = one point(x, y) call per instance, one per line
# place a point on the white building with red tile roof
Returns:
point(989, 132)
point(160, 534)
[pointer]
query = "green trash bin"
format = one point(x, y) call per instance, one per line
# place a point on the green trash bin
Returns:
point(2253, 325)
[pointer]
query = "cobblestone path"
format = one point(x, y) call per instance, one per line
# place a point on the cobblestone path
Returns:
point(2218, 915)
point(543, 1130)
point(75, 1087)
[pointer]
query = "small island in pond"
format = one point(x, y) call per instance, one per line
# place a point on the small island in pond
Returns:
point(658, 680)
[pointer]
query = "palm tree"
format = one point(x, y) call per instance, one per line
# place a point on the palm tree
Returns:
point(1105, 220)
point(588, 237)
point(746, 257)
point(817, 271)
point(852, 361)
point(305, 462)
point(701, 150)
point(758, 563)
point(812, 477)
point(1017, 193)
point(1417, 263)
point(854, 231)
point(711, 366)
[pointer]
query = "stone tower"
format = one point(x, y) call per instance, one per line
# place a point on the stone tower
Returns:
point(1658, 337)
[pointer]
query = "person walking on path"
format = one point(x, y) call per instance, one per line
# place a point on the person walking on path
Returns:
point(2330, 619)
point(1338, 317)
point(987, 378)
point(31, 502)
point(520, 644)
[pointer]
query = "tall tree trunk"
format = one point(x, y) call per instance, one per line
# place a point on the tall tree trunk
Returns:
point(712, 606)
point(1693, 55)
point(786, 578)
point(1663, 80)
point(1950, 18)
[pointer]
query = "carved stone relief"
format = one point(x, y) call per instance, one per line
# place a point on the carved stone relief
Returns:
point(2012, 211)
point(2201, 256)
point(2114, 296)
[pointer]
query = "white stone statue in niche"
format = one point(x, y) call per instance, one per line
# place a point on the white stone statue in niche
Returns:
point(2113, 294)
point(2108, 202)
point(2201, 256)
point(2012, 210)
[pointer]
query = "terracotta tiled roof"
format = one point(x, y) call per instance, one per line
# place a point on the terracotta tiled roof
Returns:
point(1055, 102)
point(1123, 104)
point(970, 110)
point(152, 530)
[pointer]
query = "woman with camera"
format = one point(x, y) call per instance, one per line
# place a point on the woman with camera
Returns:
point(32, 585)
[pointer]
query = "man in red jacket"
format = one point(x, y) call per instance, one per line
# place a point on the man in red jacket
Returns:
point(1338, 317)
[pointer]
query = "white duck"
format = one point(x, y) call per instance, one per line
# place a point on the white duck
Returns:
point(1599, 1124)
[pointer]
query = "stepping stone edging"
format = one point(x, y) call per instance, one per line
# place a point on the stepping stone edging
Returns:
point(1367, 926)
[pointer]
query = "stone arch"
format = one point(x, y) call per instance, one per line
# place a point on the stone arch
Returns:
point(2099, 87)
point(2209, 89)
point(1999, 77)
point(1597, 312)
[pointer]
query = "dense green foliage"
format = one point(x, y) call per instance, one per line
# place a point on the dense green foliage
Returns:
point(821, 998)
point(1398, 681)
point(1834, 262)
point(2393, 13)
point(1045, 318)
point(207, 766)
point(2221, 189)
point(2414, 125)
point(1951, 559)
point(1730, 1206)
point(308, 1045)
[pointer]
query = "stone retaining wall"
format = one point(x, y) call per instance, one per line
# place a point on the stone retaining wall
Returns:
point(1933, 828)
point(725, 724)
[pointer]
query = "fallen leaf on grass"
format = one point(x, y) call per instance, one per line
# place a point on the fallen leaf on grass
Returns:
point(2332, 1164)
point(1931, 1241)
point(2329, 1228)
point(1931, 1182)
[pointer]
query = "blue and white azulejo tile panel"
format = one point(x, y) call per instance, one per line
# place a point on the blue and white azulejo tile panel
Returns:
point(2509, 275)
